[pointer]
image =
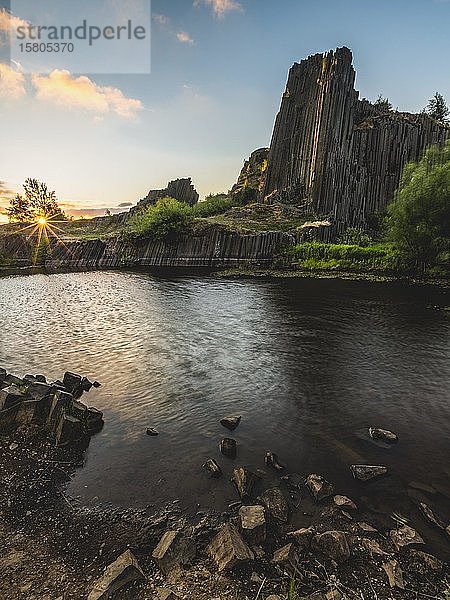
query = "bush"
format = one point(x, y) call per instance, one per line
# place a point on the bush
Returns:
point(167, 217)
point(418, 221)
point(355, 236)
point(215, 204)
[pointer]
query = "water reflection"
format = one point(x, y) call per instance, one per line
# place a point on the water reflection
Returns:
point(310, 364)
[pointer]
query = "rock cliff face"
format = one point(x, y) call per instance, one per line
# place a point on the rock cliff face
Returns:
point(212, 248)
point(340, 156)
point(251, 178)
point(180, 189)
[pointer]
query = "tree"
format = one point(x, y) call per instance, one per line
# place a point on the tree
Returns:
point(383, 104)
point(419, 217)
point(437, 108)
point(36, 202)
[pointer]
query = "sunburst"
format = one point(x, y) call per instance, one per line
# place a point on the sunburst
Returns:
point(42, 226)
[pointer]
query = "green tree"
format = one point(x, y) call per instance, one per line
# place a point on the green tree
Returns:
point(165, 218)
point(383, 104)
point(418, 219)
point(437, 108)
point(36, 201)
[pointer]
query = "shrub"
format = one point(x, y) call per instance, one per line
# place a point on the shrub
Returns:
point(214, 204)
point(418, 221)
point(167, 217)
point(355, 236)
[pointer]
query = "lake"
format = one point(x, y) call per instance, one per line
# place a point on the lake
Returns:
point(310, 364)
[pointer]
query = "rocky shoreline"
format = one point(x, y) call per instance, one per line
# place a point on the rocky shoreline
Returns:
point(52, 548)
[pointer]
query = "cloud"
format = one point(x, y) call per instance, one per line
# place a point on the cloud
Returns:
point(8, 21)
point(12, 82)
point(124, 204)
point(60, 87)
point(184, 38)
point(5, 190)
point(220, 7)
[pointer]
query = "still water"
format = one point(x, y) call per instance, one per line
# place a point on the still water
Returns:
point(308, 363)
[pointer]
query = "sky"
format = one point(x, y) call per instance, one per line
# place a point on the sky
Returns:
point(218, 70)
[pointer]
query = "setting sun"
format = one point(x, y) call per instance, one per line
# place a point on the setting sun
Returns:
point(42, 221)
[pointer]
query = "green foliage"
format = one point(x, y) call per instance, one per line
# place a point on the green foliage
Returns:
point(167, 217)
point(437, 108)
point(36, 201)
point(321, 256)
point(418, 221)
point(383, 104)
point(247, 195)
point(355, 236)
point(214, 204)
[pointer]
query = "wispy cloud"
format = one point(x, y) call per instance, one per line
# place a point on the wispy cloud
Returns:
point(220, 7)
point(12, 82)
point(184, 38)
point(60, 87)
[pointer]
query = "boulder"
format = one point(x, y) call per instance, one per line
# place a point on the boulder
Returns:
point(366, 472)
point(228, 549)
point(11, 396)
point(71, 381)
point(174, 549)
point(96, 384)
point(431, 516)
point(272, 460)
point(3, 374)
point(344, 502)
point(38, 390)
point(365, 527)
point(252, 524)
point(332, 544)
point(13, 380)
point(122, 571)
point(212, 466)
point(41, 378)
point(383, 435)
point(152, 432)
point(405, 536)
point(228, 447)
point(86, 385)
point(276, 504)
point(302, 537)
point(231, 422)
point(78, 410)
point(244, 480)
point(286, 558)
point(394, 573)
point(319, 487)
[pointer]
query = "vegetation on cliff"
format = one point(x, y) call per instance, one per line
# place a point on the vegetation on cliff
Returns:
point(418, 221)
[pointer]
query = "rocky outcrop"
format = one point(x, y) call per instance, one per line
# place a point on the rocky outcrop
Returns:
point(250, 182)
point(339, 156)
point(182, 190)
point(53, 407)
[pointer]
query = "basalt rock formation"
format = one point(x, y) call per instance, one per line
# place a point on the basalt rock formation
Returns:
point(338, 156)
point(181, 189)
point(251, 178)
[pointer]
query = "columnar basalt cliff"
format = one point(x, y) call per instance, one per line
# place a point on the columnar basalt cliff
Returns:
point(182, 190)
point(251, 177)
point(210, 248)
point(340, 156)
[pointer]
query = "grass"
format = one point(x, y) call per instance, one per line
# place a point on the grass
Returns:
point(317, 256)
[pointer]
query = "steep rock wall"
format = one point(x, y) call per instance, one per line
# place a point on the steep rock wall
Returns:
point(340, 156)
point(213, 248)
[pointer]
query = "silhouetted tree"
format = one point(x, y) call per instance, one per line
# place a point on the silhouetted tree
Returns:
point(36, 201)
point(383, 104)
